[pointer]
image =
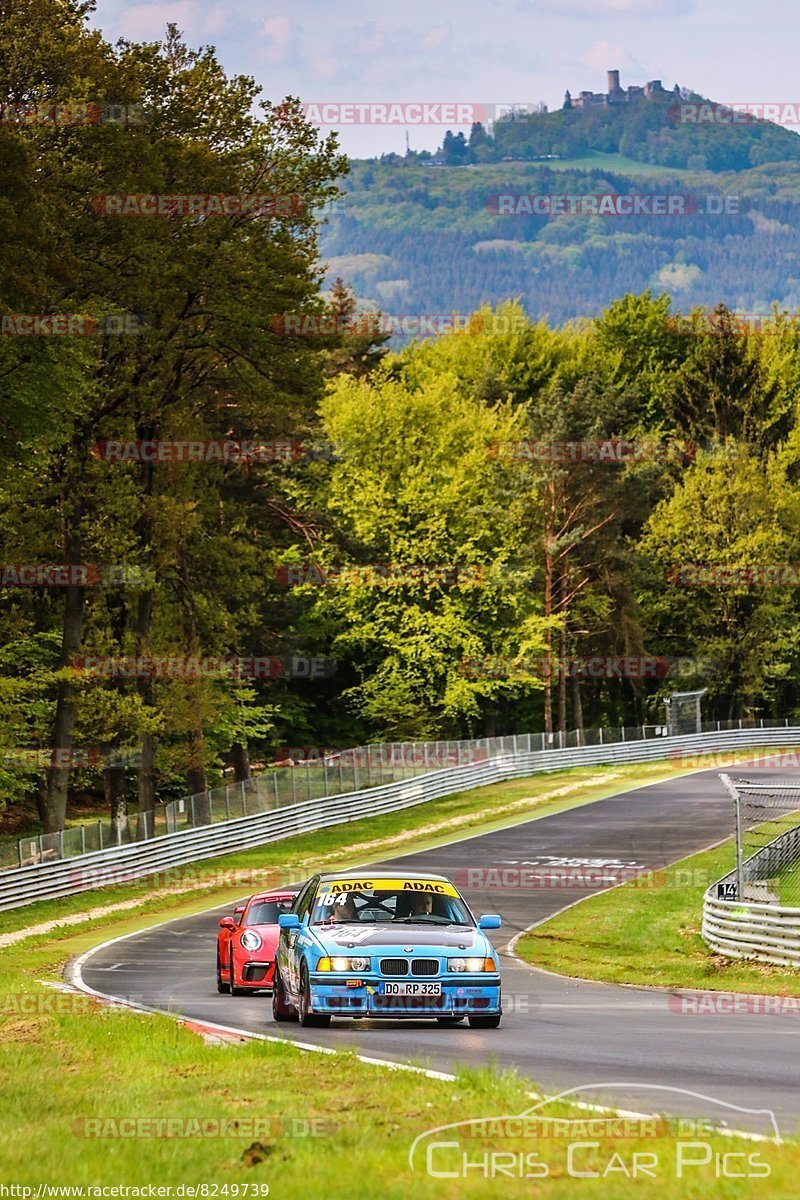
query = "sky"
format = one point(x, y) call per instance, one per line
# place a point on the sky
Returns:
point(495, 52)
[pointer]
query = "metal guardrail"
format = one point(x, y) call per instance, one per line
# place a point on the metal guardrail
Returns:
point(746, 929)
point(318, 776)
point(752, 928)
point(50, 880)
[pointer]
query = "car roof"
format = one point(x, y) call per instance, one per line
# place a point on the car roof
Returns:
point(383, 873)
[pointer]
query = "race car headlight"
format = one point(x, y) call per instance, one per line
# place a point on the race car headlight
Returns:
point(343, 964)
point(472, 964)
point(250, 940)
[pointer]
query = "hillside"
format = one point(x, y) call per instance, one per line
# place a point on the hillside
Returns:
point(411, 238)
point(668, 130)
point(417, 235)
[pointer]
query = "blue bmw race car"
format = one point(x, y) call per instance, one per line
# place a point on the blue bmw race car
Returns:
point(385, 945)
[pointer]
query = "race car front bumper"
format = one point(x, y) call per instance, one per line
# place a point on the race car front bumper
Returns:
point(366, 997)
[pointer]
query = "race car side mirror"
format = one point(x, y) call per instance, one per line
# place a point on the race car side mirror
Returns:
point(227, 923)
point(288, 920)
point(489, 921)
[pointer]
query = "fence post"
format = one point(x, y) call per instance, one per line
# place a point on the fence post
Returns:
point(83, 839)
point(308, 779)
point(244, 799)
point(100, 834)
point(19, 851)
point(61, 841)
point(325, 774)
point(622, 733)
point(601, 734)
point(734, 795)
point(277, 793)
point(227, 804)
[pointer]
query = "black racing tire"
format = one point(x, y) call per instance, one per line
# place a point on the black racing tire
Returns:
point(485, 1020)
point(282, 1010)
point(307, 1018)
point(222, 987)
point(236, 991)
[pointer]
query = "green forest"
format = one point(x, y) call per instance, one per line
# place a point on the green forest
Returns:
point(423, 543)
point(412, 238)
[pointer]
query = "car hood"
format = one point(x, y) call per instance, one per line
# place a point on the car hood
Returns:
point(379, 940)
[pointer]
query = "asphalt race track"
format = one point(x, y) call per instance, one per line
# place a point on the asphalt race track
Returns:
point(558, 1032)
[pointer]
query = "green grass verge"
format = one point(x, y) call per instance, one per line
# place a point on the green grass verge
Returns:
point(433, 823)
point(648, 932)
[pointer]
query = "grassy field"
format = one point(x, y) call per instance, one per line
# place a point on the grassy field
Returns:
point(98, 1096)
point(648, 932)
point(617, 163)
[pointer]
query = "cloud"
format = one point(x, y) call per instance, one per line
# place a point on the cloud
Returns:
point(626, 8)
point(277, 34)
point(602, 53)
point(199, 22)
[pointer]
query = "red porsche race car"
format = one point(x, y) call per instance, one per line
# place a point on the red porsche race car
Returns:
point(246, 943)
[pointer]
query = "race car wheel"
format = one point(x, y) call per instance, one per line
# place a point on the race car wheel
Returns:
point(222, 987)
point(449, 1020)
point(308, 1018)
point(236, 991)
point(282, 1010)
point(485, 1021)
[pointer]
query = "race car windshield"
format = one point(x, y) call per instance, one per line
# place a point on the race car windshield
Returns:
point(396, 905)
point(265, 912)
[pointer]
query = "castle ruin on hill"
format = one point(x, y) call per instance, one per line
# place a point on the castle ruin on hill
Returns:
point(616, 94)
